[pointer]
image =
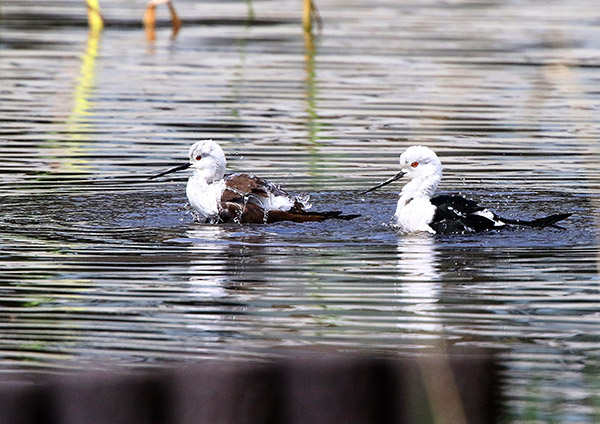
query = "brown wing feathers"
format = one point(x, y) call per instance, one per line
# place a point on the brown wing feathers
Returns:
point(238, 186)
point(237, 205)
point(251, 213)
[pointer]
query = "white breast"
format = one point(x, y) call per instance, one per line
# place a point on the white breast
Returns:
point(414, 214)
point(203, 197)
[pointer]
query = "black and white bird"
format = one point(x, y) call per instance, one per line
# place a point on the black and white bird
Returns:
point(418, 210)
point(243, 198)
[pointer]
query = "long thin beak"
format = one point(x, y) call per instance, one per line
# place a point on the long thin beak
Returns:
point(168, 171)
point(386, 182)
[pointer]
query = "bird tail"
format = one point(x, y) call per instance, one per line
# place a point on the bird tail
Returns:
point(303, 216)
point(544, 222)
point(251, 213)
point(338, 215)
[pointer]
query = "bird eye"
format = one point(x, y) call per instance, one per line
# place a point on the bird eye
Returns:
point(414, 164)
point(199, 157)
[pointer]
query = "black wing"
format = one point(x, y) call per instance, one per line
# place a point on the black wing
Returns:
point(452, 207)
point(455, 214)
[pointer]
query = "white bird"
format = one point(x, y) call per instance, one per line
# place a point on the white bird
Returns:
point(241, 197)
point(418, 210)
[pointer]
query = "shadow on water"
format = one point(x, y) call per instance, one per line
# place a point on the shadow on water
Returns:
point(101, 268)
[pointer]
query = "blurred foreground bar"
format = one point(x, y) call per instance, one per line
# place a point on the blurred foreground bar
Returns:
point(307, 388)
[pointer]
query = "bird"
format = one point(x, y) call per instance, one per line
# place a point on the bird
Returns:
point(217, 197)
point(419, 211)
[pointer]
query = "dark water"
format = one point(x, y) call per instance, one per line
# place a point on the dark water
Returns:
point(101, 268)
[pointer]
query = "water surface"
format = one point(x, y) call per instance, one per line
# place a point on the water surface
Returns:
point(101, 268)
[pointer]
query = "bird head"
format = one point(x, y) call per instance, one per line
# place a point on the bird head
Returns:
point(415, 162)
point(207, 156)
point(420, 161)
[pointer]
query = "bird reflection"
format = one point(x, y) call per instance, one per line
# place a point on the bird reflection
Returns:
point(205, 273)
point(417, 258)
point(419, 287)
point(228, 262)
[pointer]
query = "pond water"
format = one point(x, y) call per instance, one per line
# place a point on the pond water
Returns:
point(101, 268)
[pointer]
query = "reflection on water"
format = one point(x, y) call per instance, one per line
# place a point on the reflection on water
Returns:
point(418, 281)
point(417, 257)
point(101, 268)
point(209, 277)
point(84, 90)
point(312, 119)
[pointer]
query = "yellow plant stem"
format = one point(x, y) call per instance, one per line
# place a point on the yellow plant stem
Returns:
point(95, 20)
point(310, 14)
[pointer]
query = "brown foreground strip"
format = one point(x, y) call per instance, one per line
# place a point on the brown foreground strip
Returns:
point(313, 387)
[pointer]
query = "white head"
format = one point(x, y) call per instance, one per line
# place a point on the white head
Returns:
point(423, 168)
point(207, 157)
point(420, 162)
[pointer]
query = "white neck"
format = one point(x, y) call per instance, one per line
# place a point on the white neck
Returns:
point(204, 196)
point(208, 175)
point(421, 187)
point(414, 211)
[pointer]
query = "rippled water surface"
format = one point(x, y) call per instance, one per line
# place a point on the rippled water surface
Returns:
point(100, 267)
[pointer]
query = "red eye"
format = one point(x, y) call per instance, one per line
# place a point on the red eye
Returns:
point(199, 157)
point(414, 164)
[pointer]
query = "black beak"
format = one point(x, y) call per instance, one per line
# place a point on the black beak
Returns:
point(386, 182)
point(168, 171)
